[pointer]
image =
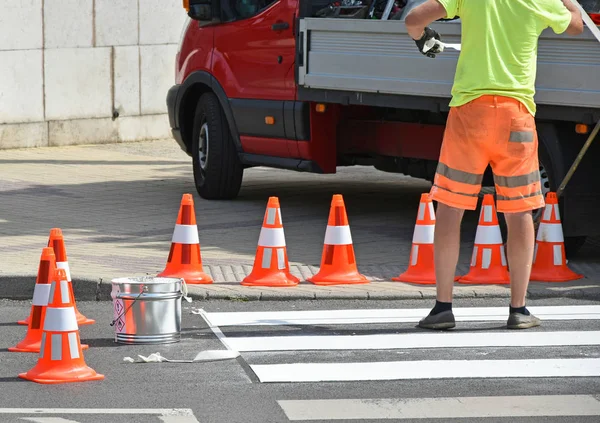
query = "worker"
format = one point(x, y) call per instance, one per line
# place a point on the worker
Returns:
point(491, 121)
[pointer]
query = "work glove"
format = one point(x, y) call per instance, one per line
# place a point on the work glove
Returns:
point(429, 44)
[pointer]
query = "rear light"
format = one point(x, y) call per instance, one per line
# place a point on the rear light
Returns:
point(582, 128)
point(186, 5)
point(595, 18)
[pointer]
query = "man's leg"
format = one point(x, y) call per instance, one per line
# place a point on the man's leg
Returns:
point(446, 244)
point(520, 245)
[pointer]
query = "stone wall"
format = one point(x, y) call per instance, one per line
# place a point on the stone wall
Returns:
point(86, 71)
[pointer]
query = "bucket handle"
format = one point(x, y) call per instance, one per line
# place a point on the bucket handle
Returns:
point(184, 291)
point(143, 290)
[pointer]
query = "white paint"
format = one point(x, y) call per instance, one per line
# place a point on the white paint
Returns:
point(442, 408)
point(48, 420)
point(87, 71)
point(167, 415)
point(550, 232)
point(116, 22)
point(127, 80)
point(65, 266)
point(60, 319)
point(21, 88)
point(185, 234)
point(338, 235)
point(41, 292)
point(487, 235)
point(157, 70)
point(413, 341)
point(271, 237)
point(391, 315)
point(423, 234)
point(427, 369)
point(21, 25)
point(67, 24)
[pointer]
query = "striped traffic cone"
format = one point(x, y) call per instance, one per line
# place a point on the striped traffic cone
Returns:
point(271, 267)
point(338, 262)
point(549, 260)
point(185, 259)
point(421, 269)
point(488, 262)
point(57, 242)
point(61, 356)
point(46, 270)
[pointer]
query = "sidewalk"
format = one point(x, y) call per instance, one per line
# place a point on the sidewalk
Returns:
point(117, 205)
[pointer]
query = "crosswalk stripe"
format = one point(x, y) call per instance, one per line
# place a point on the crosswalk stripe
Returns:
point(431, 408)
point(369, 316)
point(426, 369)
point(416, 340)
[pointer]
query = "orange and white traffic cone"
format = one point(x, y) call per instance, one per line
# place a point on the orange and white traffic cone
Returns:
point(61, 356)
point(57, 242)
point(338, 262)
point(549, 259)
point(488, 263)
point(421, 269)
point(271, 267)
point(185, 259)
point(35, 324)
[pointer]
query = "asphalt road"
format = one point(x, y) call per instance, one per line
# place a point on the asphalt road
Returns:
point(231, 390)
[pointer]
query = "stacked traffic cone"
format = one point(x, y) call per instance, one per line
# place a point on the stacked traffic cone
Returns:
point(488, 263)
point(61, 356)
point(338, 263)
point(549, 260)
point(271, 267)
point(185, 259)
point(421, 269)
point(45, 275)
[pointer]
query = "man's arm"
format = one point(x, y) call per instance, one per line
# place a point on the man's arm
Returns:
point(422, 15)
point(576, 25)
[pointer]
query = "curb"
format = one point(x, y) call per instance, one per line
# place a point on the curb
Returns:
point(20, 287)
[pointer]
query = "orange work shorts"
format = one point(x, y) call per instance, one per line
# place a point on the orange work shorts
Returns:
point(493, 130)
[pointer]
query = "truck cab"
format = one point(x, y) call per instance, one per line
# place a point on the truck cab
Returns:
point(267, 83)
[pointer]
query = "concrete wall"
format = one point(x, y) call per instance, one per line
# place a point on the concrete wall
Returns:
point(67, 65)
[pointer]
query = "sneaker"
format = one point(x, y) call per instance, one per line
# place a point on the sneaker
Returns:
point(443, 320)
point(522, 321)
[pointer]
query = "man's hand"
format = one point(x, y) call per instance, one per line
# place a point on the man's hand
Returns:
point(428, 43)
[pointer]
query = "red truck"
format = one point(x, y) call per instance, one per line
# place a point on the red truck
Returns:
point(273, 83)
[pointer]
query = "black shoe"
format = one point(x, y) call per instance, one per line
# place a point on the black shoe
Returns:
point(522, 321)
point(443, 320)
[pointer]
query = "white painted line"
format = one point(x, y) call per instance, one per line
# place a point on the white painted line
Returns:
point(215, 329)
point(344, 317)
point(150, 411)
point(446, 408)
point(426, 369)
point(414, 340)
point(48, 420)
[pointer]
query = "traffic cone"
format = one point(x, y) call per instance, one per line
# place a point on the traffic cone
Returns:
point(338, 263)
point(61, 356)
point(185, 259)
point(549, 260)
point(46, 269)
point(421, 269)
point(271, 267)
point(488, 262)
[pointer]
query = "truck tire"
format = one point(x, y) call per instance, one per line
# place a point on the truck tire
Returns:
point(217, 169)
point(550, 181)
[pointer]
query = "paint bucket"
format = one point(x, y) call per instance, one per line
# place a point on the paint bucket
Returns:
point(147, 309)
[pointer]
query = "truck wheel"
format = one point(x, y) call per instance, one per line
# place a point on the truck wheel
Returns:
point(550, 182)
point(217, 169)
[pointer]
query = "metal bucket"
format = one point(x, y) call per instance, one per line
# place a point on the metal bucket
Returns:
point(147, 309)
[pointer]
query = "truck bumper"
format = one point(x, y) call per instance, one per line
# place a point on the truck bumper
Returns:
point(172, 107)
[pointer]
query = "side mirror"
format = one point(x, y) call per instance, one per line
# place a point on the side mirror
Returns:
point(206, 12)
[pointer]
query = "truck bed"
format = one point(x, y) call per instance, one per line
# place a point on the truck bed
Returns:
point(389, 65)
